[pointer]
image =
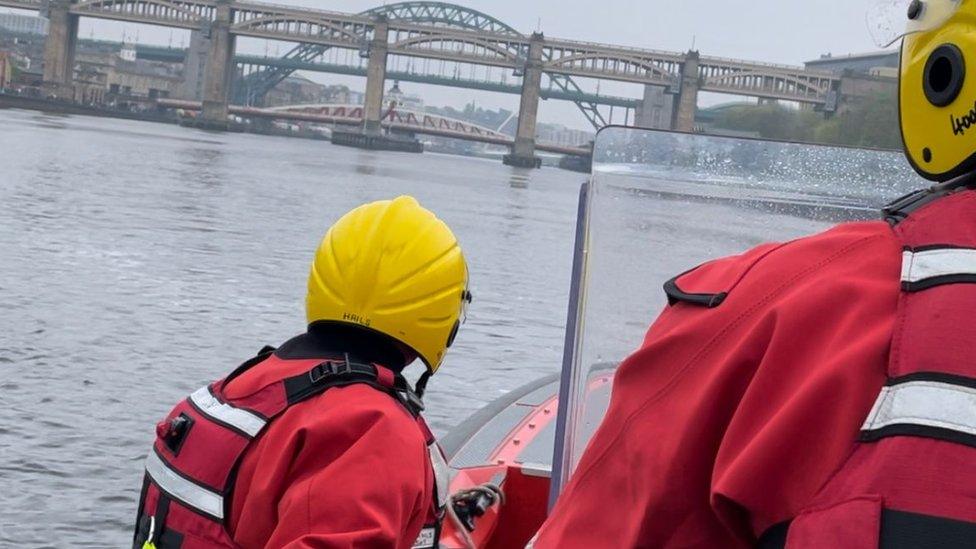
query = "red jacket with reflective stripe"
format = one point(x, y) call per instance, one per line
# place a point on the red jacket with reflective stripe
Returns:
point(300, 452)
point(729, 420)
point(346, 468)
point(829, 382)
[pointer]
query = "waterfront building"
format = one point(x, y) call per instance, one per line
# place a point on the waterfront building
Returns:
point(297, 90)
point(561, 135)
point(871, 63)
point(23, 24)
point(402, 100)
point(865, 75)
point(119, 77)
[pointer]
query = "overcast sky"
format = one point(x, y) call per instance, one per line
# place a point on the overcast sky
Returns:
point(783, 31)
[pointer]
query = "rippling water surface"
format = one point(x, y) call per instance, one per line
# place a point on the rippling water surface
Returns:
point(139, 261)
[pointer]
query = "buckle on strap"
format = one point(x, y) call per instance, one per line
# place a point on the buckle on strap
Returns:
point(330, 368)
point(411, 400)
point(898, 210)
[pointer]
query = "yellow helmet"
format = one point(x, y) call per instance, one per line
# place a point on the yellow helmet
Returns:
point(392, 267)
point(937, 102)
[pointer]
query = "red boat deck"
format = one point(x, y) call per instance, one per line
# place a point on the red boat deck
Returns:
point(510, 443)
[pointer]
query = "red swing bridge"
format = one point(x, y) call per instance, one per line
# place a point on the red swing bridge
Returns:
point(395, 119)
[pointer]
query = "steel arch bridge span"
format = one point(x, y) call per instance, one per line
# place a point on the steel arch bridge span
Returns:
point(420, 78)
point(169, 13)
point(442, 14)
point(789, 87)
point(255, 86)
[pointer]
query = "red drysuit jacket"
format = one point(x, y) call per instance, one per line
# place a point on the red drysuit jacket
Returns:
point(347, 468)
point(729, 419)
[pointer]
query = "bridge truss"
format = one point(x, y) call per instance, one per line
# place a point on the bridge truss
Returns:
point(449, 33)
point(254, 86)
point(406, 119)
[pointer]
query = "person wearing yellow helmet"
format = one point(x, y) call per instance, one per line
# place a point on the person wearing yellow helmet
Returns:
point(937, 100)
point(320, 442)
point(392, 269)
point(819, 393)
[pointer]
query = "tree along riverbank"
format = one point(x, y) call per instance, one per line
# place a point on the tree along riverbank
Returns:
point(870, 122)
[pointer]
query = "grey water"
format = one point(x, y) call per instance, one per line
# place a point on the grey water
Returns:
point(140, 261)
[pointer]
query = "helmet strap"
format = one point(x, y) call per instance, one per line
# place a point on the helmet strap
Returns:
point(421, 387)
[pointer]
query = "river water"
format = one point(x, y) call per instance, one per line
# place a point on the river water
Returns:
point(140, 261)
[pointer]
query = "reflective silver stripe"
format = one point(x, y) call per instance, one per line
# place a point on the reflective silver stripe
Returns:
point(240, 419)
point(187, 492)
point(426, 539)
point(442, 474)
point(927, 403)
point(923, 265)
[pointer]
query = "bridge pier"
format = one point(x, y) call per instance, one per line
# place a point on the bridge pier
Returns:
point(687, 101)
point(523, 151)
point(655, 109)
point(370, 135)
point(195, 66)
point(220, 69)
point(376, 77)
point(59, 50)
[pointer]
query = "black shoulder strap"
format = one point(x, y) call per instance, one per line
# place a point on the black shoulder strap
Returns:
point(899, 530)
point(900, 209)
point(677, 295)
point(340, 373)
point(263, 354)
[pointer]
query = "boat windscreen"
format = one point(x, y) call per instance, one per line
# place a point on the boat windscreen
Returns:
point(658, 204)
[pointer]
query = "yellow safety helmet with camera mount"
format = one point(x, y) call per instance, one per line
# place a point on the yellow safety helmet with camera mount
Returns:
point(937, 98)
point(392, 267)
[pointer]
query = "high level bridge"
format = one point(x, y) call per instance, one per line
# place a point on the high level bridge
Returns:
point(426, 30)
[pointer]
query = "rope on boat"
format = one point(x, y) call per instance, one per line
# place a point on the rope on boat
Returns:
point(473, 503)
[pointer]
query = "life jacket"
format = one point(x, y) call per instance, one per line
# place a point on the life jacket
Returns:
point(191, 470)
point(910, 480)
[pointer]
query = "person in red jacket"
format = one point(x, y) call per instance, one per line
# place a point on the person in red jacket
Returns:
point(320, 442)
point(819, 393)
